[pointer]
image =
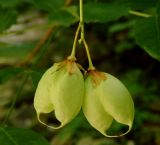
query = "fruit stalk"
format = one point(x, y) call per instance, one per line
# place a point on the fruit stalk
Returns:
point(82, 39)
point(72, 56)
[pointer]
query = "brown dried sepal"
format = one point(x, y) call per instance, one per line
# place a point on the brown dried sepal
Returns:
point(71, 66)
point(97, 77)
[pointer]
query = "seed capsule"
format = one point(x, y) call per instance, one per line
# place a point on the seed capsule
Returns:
point(107, 100)
point(61, 89)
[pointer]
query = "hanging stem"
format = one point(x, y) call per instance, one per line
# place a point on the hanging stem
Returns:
point(81, 20)
point(91, 67)
point(82, 39)
point(72, 56)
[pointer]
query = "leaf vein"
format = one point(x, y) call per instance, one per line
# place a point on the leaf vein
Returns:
point(9, 136)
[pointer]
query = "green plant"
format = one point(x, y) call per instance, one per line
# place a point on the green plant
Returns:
point(115, 30)
point(104, 98)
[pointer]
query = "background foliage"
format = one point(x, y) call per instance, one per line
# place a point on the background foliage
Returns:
point(124, 39)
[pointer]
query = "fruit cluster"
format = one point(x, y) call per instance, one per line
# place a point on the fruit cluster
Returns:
point(103, 97)
point(64, 90)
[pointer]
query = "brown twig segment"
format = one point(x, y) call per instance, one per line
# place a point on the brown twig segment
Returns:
point(34, 52)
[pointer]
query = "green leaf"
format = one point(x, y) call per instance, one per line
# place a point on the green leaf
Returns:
point(69, 131)
point(7, 18)
point(48, 5)
point(19, 136)
point(158, 8)
point(104, 12)
point(36, 76)
point(139, 4)
point(8, 73)
point(10, 50)
point(142, 4)
point(93, 12)
point(147, 35)
point(9, 3)
point(63, 18)
point(73, 10)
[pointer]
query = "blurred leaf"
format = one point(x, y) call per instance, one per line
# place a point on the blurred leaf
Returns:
point(147, 35)
point(36, 76)
point(7, 18)
point(139, 4)
point(93, 12)
point(158, 7)
point(63, 18)
point(10, 50)
point(8, 73)
point(73, 10)
point(17, 136)
point(131, 82)
point(120, 26)
point(144, 115)
point(49, 5)
point(122, 46)
point(9, 3)
point(66, 134)
point(104, 12)
point(142, 4)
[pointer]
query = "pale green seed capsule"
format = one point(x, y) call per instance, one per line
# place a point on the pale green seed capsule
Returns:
point(107, 100)
point(60, 90)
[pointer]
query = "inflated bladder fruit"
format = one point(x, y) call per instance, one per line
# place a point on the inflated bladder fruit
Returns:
point(106, 101)
point(61, 91)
